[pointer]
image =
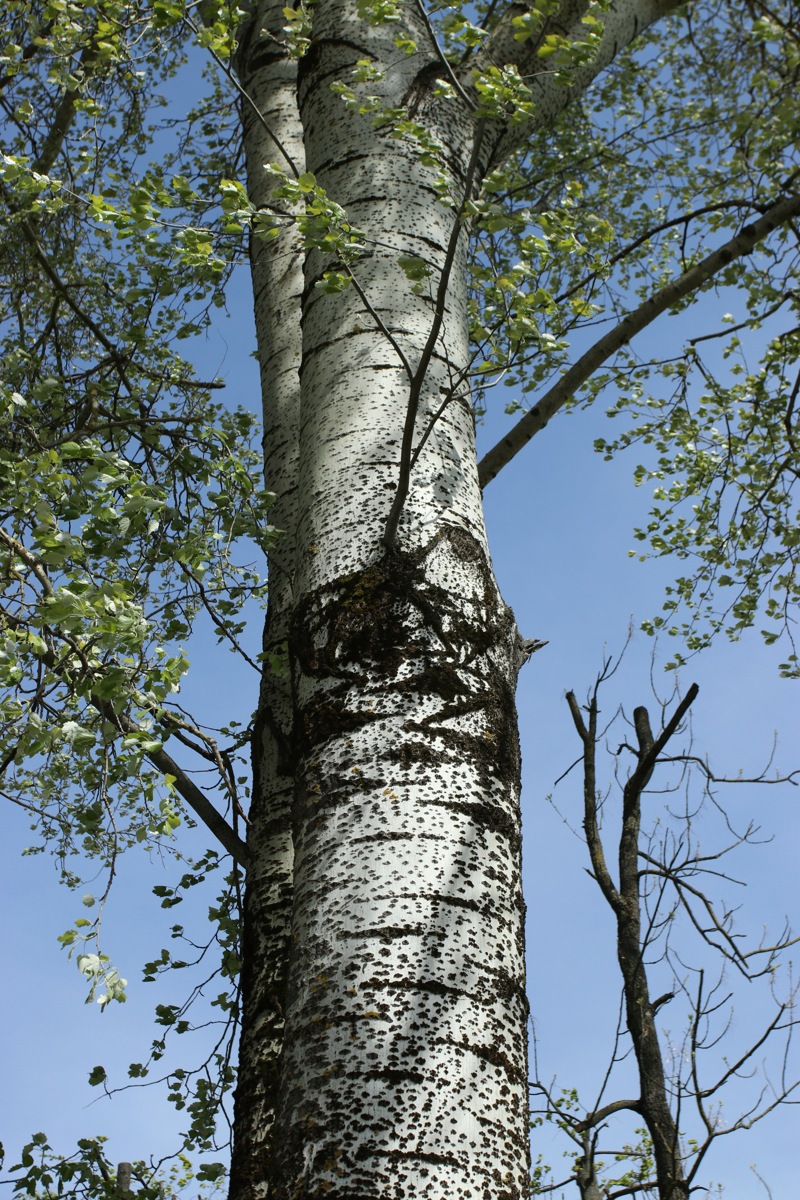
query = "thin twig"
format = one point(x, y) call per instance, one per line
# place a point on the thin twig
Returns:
point(440, 54)
point(40, 255)
point(378, 319)
point(231, 76)
point(395, 512)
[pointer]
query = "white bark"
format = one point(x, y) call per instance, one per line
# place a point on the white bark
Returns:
point(269, 77)
point(404, 1060)
point(403, 1068)
point(354, 387)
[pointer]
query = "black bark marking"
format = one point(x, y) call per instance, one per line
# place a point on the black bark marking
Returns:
point(400, 643)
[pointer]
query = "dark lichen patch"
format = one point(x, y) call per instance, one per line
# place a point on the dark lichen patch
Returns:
point(433, 986)
point(460, 902)
point(390, 632)
point(363, 618)
point(436, 678)
point(486, 816)
point(416, 1156)
point(328, 715)
point(370, 618)
point(404, 674)
point(410, 753)
point(507, 986)
point(385, 933)
point(496, 759)
point(385, 835)
point(367, 617)
point(495, 1056)
point(395, 1075)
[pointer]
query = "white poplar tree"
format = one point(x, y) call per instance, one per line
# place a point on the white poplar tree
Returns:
point(434, 196)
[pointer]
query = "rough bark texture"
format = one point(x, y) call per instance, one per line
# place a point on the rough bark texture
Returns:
point(384, 998)
point(404, 1063)
point(269, 77)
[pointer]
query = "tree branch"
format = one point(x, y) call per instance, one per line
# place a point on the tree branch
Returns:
point(596, 1118)
point(528, 426)
point(31, 560)
point(120, 362)
point(650, 748)
point(588, 736)
point(624, 22)
point(160, 759)
point(199, 803)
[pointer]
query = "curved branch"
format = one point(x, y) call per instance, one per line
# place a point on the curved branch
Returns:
point(608, 1110)
point(30, 559)
point(690, 281)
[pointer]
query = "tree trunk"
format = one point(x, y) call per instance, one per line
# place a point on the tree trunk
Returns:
point(269, 77)
point(384, 1021)
point(402, 1069)
point(639, 1008)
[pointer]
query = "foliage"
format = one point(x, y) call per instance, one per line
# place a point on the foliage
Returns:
point(637, 182)
point(88, 1173)
point(132, 501)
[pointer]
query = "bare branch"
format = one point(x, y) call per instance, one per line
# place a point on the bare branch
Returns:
point(588, 735)
point(642, 920)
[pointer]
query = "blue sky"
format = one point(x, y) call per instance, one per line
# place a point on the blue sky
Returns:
point(560, 522)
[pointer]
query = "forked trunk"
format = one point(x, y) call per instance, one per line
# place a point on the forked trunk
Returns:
point(402, 1069)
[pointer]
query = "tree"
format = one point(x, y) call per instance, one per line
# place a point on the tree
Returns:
point(437, 197)
point(662, 873)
